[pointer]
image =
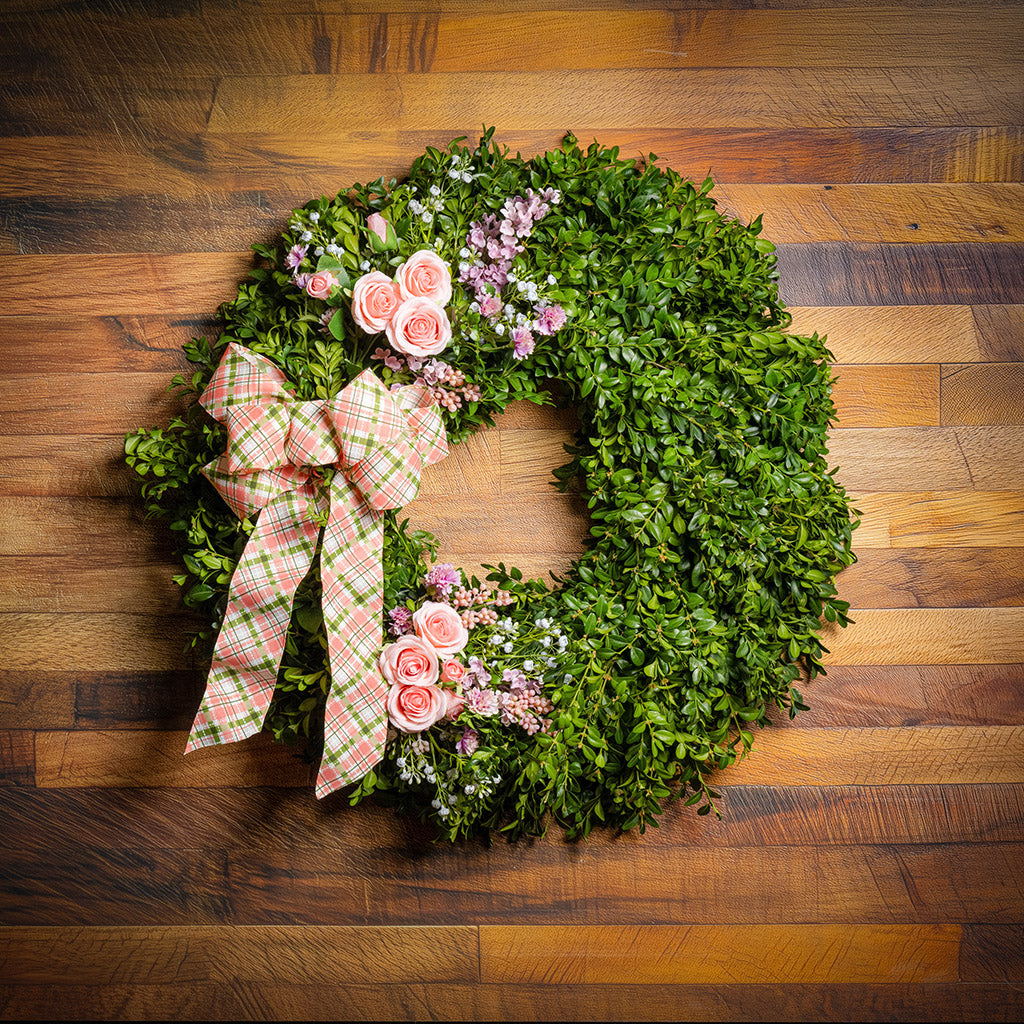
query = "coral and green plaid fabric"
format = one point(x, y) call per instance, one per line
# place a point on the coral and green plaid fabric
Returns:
point(379, 441)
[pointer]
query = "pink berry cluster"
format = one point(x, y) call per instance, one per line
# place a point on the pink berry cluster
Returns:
point(526, 708)
point(486, 600)
point(451, 389)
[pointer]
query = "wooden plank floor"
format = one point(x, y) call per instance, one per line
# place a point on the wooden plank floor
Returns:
point(870, 860)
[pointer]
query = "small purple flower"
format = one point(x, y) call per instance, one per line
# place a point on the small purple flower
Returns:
point(524, 342)
point(479, 670)
point(434, 371)
point(301, 280)
point(296, 254)
point(442, 577)
point(468, 742)
point(401, 621)
point(550, 319)
point(390, 360)
point(515, 678)
point(325, 321)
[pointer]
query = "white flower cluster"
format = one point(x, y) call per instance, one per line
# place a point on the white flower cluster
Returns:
point(460, 168)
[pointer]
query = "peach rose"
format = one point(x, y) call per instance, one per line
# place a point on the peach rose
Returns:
point(409, 662)
point(321, 284)
point(440, 626)
point(415, 708)
point(456, 702)
point(424, 275)
point(375, 299)
point(419, 328)
point(452, 671)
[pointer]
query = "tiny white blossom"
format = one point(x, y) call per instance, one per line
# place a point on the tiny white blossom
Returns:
point(434, 190)
point(463, 267)
point(507, 648)
point(545, 641)
point(400, 761)
point(467, 177)
point(499, 328)
point(435, 804)
point(365, 265)
point(551, 662)
point(465, 253)
point(453, 799)
point(528, 665)
point(552, 279)
point(314, 217)
point(306, 236)
point(470, 789)
point(511, 277)
point(454, 174)
point(415, 206)
point(495, 640)
point(426, 216)
point(318, 251)
point(443, 811)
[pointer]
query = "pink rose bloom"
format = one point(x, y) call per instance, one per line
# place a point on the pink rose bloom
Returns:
point(424, 275)
point(419, 328)
point(452, 671)
point(378, 225)
point(375, 300)
point(409, 662)
point(440, 625)
point(415, 708)
point(321, 284)
point(456, 702)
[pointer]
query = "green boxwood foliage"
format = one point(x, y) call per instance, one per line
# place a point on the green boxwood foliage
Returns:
point(716, 529)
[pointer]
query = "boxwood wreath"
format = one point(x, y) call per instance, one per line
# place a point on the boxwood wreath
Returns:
point(618, 289)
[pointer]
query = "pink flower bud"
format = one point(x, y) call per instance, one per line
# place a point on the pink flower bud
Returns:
point(378, 225)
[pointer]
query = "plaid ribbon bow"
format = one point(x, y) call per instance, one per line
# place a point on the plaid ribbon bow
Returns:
point(379, 441)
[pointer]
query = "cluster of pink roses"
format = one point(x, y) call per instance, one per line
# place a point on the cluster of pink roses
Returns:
point(414, 664)
point(410, 308)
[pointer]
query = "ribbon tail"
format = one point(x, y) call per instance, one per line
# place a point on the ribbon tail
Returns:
point(352, 573)
point(251, 641)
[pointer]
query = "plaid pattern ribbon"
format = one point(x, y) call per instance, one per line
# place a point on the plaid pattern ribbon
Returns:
point(378, 441)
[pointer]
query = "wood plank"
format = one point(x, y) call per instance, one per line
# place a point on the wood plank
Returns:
point(190, 167)
point(742, 98)
point(710, 955)
point(887, 396)
point(60, 465)
point(908, 884)
point(65, 699)
point(50, 344)
point(929, 458)
point(170, 284)
point(915, 334)
point(880, 213)
point(95, 642)
point(982, 393)
point(17, 758)
point(865, 274)
point(129, 757)
point(917, 519)
point(135, 107)
point(792, 757)
point(212, 43)
point(908, 756)
point(992, 952)
point(928, 636)
point(934, 578)
point(87, 403)
point(266, 819)
point(228, 221)
point(908, 695)
point(291, 955)
point(450, 1001)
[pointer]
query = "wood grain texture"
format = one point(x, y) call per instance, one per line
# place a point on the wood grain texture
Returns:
point(452, 1001)
point(698, 956)
point(868, 863)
